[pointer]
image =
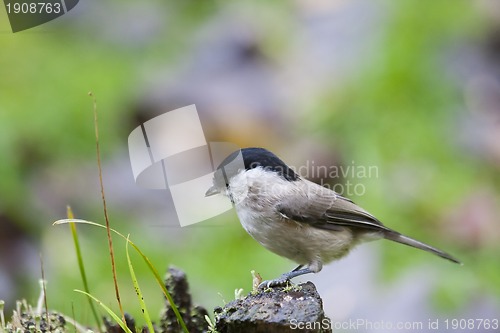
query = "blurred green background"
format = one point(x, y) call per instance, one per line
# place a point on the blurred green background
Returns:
point(411, 87)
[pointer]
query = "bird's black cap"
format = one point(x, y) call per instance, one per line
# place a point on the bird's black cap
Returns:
point(260, 157)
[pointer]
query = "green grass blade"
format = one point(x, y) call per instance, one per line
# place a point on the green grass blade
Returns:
point(163, 288)
point(138, 290)
point(145, 258)
point(81, 266)
point(108, 310)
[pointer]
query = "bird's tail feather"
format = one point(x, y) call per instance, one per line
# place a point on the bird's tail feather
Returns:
point(397, 237)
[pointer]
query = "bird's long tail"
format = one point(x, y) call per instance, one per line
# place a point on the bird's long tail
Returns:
point(397, 237)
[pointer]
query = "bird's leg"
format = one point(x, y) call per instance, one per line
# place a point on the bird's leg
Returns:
point(296, 272)
point(285, 278)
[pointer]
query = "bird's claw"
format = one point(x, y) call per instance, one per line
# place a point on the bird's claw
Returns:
point(279, 282)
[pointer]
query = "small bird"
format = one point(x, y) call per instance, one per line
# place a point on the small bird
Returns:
point(296, 218)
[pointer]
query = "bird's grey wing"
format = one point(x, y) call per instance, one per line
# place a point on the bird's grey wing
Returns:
point(325, 209)
point(322, 208)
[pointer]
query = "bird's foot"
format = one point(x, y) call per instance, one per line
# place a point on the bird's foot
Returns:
point(282, 281)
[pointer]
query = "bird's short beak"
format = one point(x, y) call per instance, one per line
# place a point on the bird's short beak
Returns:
point(211, 191)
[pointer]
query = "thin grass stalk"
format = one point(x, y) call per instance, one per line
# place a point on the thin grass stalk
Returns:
point(106, 218)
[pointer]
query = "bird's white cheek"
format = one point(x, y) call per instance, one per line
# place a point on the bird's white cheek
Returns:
point(238, 189)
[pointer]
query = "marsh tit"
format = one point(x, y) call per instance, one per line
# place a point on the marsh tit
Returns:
point(295, 218)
